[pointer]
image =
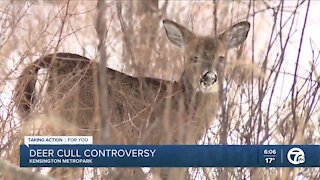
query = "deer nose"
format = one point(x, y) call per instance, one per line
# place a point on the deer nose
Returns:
point(206, 76)
point(209, 78)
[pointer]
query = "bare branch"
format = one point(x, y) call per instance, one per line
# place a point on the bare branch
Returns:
point(103, 90)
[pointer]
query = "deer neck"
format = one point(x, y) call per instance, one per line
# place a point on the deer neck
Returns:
point(191, 96)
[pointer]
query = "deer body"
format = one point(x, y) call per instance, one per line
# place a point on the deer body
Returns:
point(141, 110)
point(136, 104)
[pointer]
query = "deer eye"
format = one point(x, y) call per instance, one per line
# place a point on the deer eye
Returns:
point(195, 59)
point(221, 59)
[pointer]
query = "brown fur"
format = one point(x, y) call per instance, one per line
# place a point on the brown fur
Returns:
point(136, 104)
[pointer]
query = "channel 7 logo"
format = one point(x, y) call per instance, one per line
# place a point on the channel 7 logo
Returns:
point(296, 156)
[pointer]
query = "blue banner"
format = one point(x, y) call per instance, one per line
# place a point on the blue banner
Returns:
point(170, 156)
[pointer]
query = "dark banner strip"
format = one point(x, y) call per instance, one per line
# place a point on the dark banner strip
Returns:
point(170, 156)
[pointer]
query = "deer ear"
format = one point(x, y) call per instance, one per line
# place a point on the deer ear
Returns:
point(176, 33)
point(236, 34)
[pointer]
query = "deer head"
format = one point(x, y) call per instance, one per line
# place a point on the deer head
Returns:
point(203, 54)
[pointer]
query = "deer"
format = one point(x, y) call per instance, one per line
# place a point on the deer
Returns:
point(141, 110)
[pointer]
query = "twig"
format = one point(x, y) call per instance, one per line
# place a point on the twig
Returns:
point(103, 90)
